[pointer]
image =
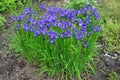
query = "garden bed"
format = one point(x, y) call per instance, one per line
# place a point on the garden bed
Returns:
point(13, 67)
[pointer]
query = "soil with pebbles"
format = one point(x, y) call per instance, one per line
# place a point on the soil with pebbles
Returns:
point(13, 67)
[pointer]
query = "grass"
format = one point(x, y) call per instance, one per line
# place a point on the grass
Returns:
point(110, 9)
point(111, 33)
point(110, 13)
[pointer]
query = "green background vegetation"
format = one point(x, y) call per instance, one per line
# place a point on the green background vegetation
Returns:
point(110, 13)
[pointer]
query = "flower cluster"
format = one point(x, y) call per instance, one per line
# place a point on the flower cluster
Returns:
point(57, 22)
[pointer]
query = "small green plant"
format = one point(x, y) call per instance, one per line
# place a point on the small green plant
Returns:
point(113, 76)
point(2, 20)
point(61, 40)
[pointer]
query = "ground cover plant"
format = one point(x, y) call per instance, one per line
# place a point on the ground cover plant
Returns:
point(60, 40)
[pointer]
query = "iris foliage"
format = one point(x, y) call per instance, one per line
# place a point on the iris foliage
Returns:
point(60, 40)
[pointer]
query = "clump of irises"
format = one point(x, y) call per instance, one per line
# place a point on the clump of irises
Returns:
point(61, 39)
point(59, 23)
